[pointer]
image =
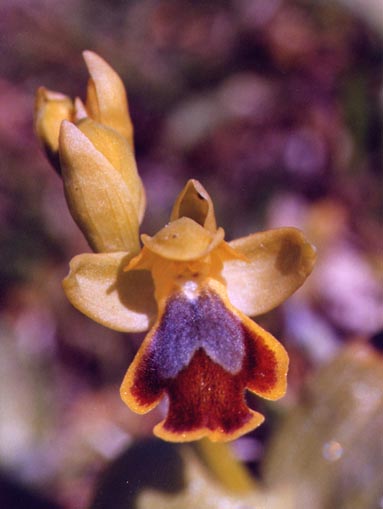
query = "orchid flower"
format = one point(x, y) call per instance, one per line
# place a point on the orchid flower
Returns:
point(189, 288)
point(193, 291)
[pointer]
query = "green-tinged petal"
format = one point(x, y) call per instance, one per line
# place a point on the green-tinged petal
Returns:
point(51, 108)
point(98, 287)
point(194, 202)
point(279, 262)
point(119, 153)
point(98, 197)
point(183, 240)
point(106, 97)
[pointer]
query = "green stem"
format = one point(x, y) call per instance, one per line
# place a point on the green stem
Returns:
point(224, 466)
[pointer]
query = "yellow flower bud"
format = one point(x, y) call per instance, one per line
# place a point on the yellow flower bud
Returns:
point(118, 152)
point(95, 155)
point(51, 108)
point(97, 193)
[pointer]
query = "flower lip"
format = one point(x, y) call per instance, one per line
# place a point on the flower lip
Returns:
point(183, 240)
point(204, 354)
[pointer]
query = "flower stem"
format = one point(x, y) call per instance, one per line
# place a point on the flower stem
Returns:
point(220, 460)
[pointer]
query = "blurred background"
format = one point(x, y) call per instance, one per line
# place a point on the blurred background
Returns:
point(276, 107)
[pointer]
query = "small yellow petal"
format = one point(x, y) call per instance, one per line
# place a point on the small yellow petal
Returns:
point(119, 153)
point(279, 262)
point(194, 202)
point(106, 97)
point(51, 108)
point(79, 110)
point(98, 287)
point(183, 240)
point(98, 197)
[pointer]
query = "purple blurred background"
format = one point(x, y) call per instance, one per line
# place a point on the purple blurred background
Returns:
point(275, 106)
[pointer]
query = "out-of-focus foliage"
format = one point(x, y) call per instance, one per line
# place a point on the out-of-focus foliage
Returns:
point(183, 481)
point(329, 450)
point(275, 105)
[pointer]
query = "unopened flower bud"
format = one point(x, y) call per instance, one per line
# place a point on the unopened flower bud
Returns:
point(97, 193)
point(51, 108)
